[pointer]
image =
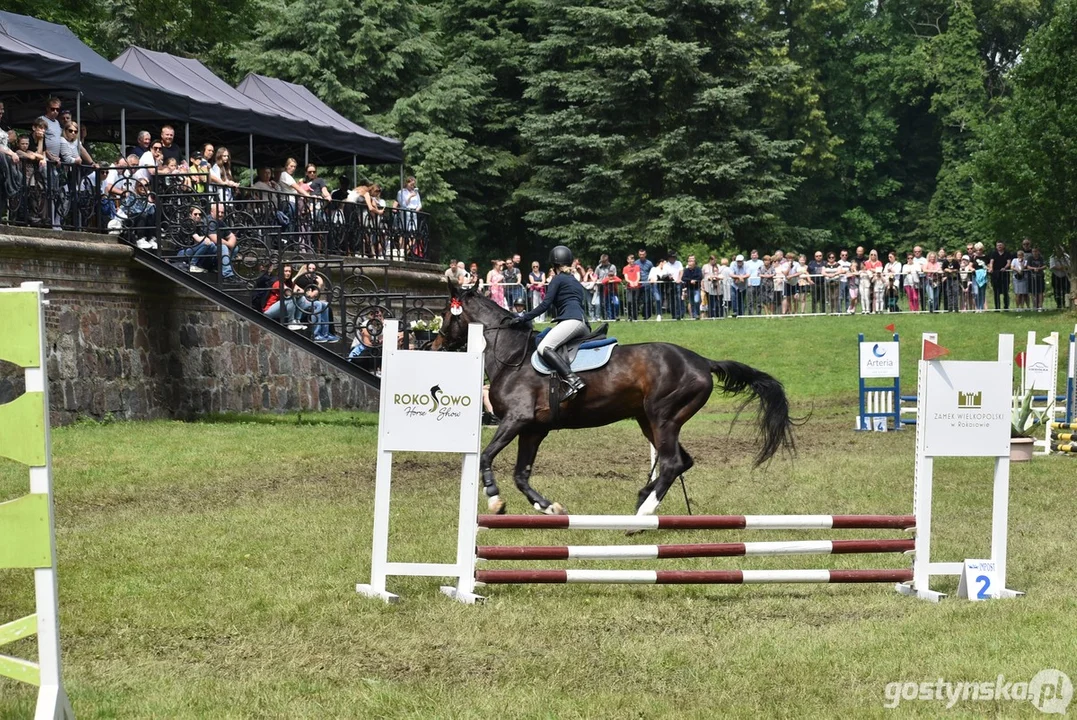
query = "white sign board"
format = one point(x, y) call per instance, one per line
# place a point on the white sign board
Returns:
point(879, 360)
point(1039, 361)
point(431, 401)
point(979, 580)
point(967, 405)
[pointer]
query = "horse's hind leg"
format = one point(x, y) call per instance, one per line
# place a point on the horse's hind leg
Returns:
point(525, 461)
point(672, 461)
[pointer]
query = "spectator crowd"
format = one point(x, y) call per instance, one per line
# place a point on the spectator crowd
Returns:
point(839, 282)
point(46, 172)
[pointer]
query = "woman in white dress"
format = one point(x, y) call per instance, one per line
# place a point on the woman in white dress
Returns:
point(1019, 268)
point(892, 271)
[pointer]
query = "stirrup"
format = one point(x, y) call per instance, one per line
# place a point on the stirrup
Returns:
point(573, 385)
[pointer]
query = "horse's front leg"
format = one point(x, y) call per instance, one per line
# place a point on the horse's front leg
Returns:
point(525, 461)
point(506, 431)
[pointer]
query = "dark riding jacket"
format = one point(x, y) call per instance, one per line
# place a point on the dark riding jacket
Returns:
point(565, 295)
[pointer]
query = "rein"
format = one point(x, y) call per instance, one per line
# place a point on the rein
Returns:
point(493, 345)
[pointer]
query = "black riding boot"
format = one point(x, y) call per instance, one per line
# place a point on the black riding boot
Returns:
point(554, 360)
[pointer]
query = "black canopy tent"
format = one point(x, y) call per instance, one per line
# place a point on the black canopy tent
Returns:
point(38, 59)
point(215, 104)
point(298, 101)
point(104, 94)
point(19, 61)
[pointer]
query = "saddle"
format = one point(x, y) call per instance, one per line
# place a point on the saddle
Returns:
point(589, 352)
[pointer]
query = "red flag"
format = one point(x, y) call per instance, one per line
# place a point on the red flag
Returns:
point(1020, 359)
point(933, 351)
point(890, 327)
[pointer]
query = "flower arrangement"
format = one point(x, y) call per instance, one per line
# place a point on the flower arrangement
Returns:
point(433, 325)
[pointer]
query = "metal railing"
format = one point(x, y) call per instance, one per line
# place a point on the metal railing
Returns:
point(51, 195)
point(137, 203)
point(765, 296)
point(263, 270)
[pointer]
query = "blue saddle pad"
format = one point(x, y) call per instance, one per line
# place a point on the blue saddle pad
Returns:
point(591, 356)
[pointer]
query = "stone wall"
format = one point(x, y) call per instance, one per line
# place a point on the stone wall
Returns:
point(128, 343)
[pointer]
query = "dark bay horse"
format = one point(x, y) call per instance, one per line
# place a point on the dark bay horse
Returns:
point(660, 385)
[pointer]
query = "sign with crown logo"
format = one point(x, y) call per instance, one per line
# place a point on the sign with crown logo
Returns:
point(969, 408)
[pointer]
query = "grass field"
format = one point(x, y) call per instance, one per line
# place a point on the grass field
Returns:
point(207, 569)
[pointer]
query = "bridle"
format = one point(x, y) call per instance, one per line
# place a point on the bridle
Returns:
point(447, 343)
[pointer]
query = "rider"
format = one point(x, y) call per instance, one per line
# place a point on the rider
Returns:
point(566, 296)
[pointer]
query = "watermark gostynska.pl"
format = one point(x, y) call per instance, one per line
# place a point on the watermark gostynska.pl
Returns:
point(1049, 691)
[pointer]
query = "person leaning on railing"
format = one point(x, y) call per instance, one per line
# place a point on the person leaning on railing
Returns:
point(1036, 266)
point(536, 286)
point(220, 175)
point(611, 285)
point(710, 286)
point(375, 206)
point(35, 169)
point(1019, 273)
point(72, 152)
point(510, 276)
point(966, 279)
point(494, 280)
point(9, 141)
point(892, 278)
point(1059, 264)
point(910, 273)
point(806, 285)
point(998, 265)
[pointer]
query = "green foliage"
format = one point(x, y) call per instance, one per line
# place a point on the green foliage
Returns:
point(1027, 169)
point(960, 104)
point(643, 126)
point(358, 58)
point(1027, 421)
point(723, 124)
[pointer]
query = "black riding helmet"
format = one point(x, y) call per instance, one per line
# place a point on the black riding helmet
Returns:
point(560, 255)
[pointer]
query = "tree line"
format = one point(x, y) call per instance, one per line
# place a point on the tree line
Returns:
point(702, 125)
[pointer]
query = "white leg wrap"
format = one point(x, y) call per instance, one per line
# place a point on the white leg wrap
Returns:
point(649, 505)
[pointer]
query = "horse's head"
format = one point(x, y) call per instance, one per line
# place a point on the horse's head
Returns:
point(454, 321)
point(466, 306)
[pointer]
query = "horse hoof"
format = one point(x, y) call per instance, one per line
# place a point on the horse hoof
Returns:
point(497, 506)
point(556, 509)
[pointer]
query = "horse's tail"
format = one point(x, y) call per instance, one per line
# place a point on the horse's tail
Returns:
point(775, 425)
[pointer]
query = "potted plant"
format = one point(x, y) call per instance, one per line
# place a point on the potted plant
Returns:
point(1025, 422)
point(425, 330)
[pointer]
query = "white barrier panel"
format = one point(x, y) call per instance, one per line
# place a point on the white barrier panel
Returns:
point(1039, 376)
point(964, 411)
point(879, 360)
point(432, 402)
point(969, 416)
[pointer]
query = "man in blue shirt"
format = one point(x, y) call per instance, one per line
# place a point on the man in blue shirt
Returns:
point(818, 290)
point(645, 267)
point(692, 279)
point(755, 284)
